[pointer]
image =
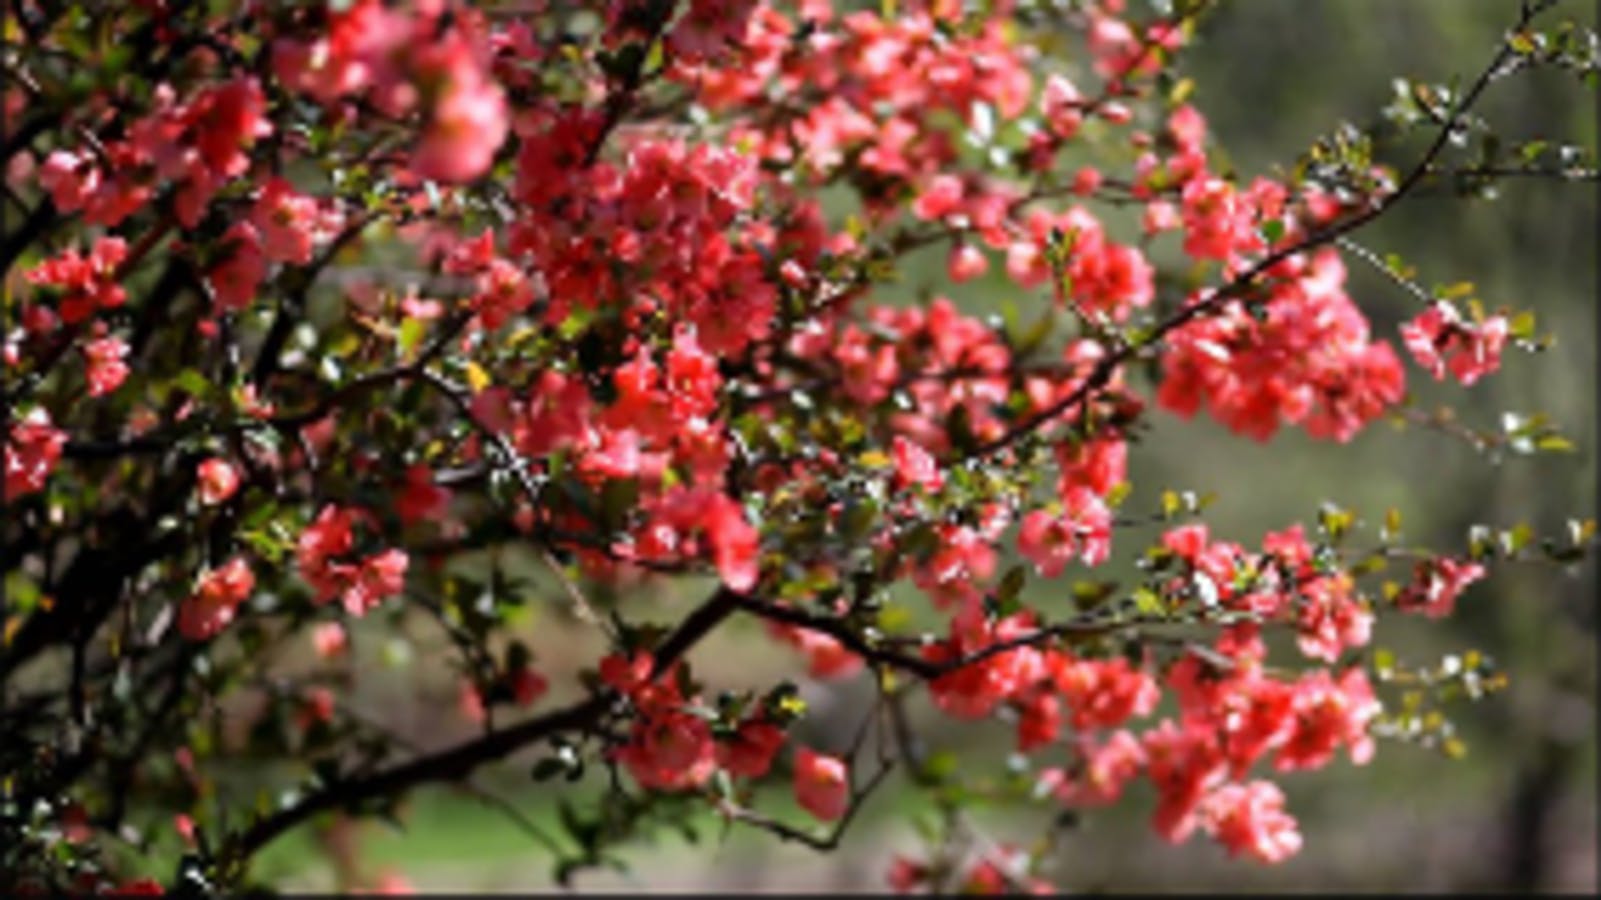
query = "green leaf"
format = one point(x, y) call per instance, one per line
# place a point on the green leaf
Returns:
point(1392, 521)
point(192, 382)
point(941, 766)
point(1171, 504)
point(1089, 594)
point(1148, 602)
point(1035, 337)
point(1118, 493)
point(1522, 325)
point(893, 617)
point(1554, 443)
point(1383, 663)
point(22, 594)
point(1517, 538)
point(1011, 585)
point(1335, 521)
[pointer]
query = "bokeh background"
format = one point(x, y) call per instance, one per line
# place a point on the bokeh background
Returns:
point(1518, 813)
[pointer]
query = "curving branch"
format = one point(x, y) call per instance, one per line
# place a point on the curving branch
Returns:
point(460, 761)
point(790, 833)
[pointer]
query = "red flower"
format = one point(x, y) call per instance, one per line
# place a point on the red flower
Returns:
point(32, 450)
point(915, 465)
point(316, 706)
point(322, 554)
point(821, 786)
point(905, 875)
point(626, 675)
point(939, 199)
point(70, 178)
point(1185, 764)
point(1083, 530)
point(735, 544)
point(1436, 583)
point(527, 686)
point(1103, 693)
point(1439, 340)
point(826, 657)
point(1327, 714)
point(1107, 767)
point(329, 639)
point(973, 690)
point(290, 223)
point(226, 120)
point(1304, 357)
point(218, 481)
point(236, 276)
point(382, 575)
point(210, 609)
point(966, 263)
point(751, 750)
point(669, 751)
point(421, 499)
point(467, 121)
point(86, 284)
point(1250, 819)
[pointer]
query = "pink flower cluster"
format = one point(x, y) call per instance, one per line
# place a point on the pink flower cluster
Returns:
point(87, 283)
point(1440, 341)
point(1282, 583)
point(325, 554)
point(199, 143)
point(1436, 584)
point(1305, 358)
point(1228, 721)
point(1002, 869)
point(660, 417)
point(33, 448)
point(672, 748)
point(885, 81)
point(669, 212)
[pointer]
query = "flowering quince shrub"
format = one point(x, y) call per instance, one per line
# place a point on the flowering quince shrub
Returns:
point(315, 312)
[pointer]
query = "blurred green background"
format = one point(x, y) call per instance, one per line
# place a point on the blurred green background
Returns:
point(1518, 813)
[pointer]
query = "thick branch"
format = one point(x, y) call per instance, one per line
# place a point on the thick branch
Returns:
point(459, 761)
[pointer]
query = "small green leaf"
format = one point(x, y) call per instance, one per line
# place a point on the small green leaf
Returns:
point(1384, 663)
point(1554, 443)
point(1011, 585)
point(1089, 594)
point(1147, 602)
point(1171, 504)
point(1118, 493)
point(941, 766)
point(1522, 325)
point(893, 617)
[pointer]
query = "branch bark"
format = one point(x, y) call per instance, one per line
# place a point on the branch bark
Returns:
point(459, 761)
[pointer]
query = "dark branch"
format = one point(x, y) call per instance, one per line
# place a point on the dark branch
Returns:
point(458, 762)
